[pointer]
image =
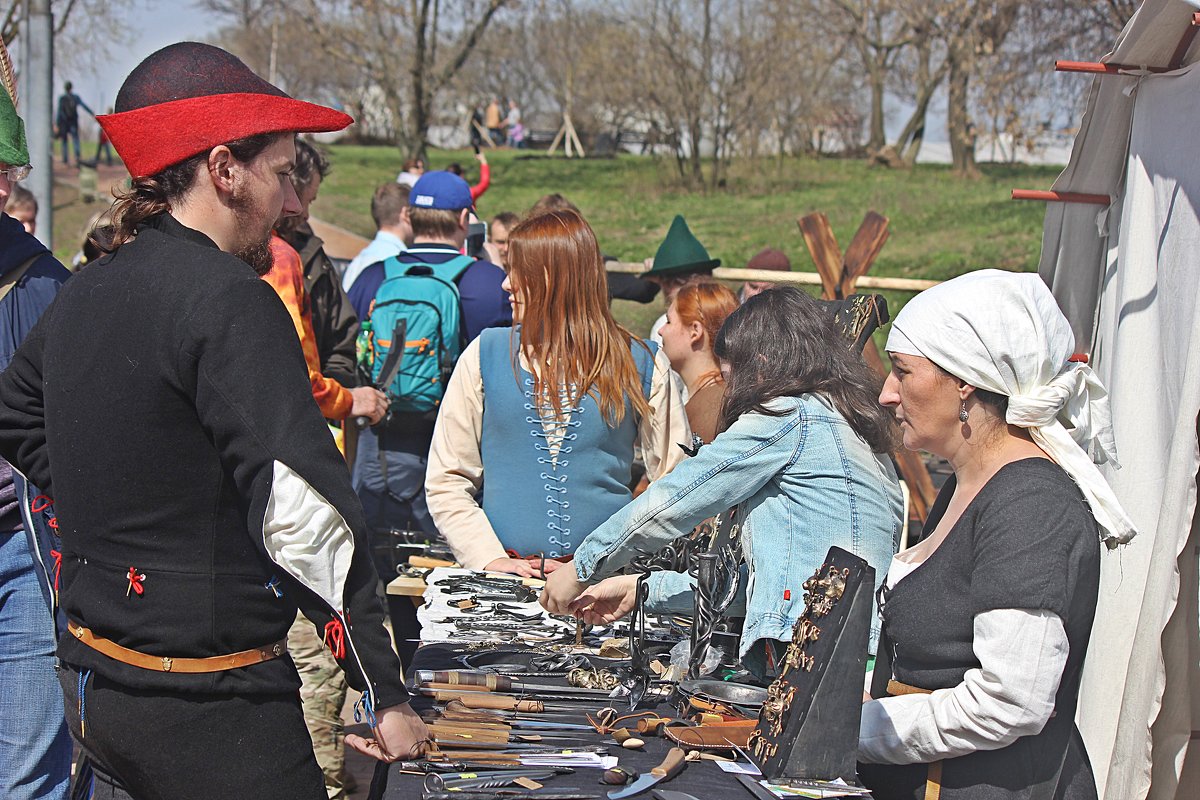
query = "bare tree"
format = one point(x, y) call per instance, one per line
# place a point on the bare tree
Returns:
point(402, 53)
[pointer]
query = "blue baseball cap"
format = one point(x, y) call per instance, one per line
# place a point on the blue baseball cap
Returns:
point(441, 190)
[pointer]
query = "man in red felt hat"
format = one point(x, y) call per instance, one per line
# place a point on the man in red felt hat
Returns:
point(164, 404)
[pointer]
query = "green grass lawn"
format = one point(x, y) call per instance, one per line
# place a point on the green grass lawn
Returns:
point(940, 226)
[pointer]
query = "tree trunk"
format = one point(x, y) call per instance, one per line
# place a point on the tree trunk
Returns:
point(876, 75)
point(958, 122)
point(417, 127)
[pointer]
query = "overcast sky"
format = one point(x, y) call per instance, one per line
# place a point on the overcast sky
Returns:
point(155, 24)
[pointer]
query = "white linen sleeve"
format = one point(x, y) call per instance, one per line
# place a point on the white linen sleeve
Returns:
point(1021, 653)
point(667, 426)
point(455, 471)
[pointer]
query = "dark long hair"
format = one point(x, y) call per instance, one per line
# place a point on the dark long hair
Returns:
point(150, 196)
point(781, 343)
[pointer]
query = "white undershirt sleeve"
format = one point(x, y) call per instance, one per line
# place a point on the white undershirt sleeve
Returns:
point(1022, 653)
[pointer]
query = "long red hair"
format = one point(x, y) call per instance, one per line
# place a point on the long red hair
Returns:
point(568, 332)
point(708, 303)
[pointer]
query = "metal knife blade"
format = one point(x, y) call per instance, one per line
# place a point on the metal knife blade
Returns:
point(671, 766)
point(670, 794)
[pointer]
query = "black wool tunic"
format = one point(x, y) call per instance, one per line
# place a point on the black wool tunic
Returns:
point(164, 403)
point(1027, 541)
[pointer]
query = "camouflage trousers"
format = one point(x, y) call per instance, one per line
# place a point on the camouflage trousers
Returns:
point(323, 694)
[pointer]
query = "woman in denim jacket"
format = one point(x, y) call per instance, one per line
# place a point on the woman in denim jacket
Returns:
point(803, 449)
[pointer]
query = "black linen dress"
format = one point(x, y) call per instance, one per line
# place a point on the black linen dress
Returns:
point(1028, 541)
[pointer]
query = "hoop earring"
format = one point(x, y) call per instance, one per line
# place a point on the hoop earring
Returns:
point(962, 412)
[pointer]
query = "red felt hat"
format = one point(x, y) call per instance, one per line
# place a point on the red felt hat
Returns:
point(190, 97)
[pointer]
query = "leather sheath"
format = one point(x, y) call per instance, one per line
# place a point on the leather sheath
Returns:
point(134, 658)
point(717, 736)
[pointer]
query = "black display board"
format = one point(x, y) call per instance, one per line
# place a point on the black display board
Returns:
point(808, 728)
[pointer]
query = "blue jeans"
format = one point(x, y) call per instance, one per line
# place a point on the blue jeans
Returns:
point(35, 749)
point(73, 135)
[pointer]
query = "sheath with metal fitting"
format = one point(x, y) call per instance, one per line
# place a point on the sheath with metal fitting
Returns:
point(453, 679)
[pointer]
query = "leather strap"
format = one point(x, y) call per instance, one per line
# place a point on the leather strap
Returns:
point(933, 777)
point(933, 781)
point(166, 664)
point(13, 275)
point(896, 689)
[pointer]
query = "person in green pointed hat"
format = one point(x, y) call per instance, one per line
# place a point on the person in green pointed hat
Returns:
point(35, 747)
point(14, 153)
point(680, 258)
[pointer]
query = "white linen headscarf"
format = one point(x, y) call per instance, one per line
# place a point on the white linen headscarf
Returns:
point(1003, 332)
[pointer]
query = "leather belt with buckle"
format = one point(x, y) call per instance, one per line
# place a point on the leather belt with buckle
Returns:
point(115, 651)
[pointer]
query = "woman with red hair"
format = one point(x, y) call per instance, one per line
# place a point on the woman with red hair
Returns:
point(543, 418)
point(693, 320)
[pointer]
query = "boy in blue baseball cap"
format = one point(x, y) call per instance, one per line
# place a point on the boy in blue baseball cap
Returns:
point(392, 488)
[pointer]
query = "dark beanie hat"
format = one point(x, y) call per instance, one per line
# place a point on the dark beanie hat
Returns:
point(190, 97)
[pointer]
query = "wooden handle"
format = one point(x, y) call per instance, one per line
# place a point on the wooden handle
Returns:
point(672, 765)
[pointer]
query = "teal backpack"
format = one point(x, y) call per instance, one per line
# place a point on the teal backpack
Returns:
point(412, 338)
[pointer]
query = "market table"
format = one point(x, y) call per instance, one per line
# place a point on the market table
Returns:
point(702, 779)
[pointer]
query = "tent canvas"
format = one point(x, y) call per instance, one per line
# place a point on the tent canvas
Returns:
point(1128, 276)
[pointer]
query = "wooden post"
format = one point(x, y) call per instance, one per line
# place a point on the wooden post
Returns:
point(568, 137)
point(839, 276)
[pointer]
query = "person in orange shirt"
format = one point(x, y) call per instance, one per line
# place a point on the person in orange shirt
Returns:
point(335, 401)
point(323, 688)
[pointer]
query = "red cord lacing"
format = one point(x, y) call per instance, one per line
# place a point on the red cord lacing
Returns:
point(335, 638)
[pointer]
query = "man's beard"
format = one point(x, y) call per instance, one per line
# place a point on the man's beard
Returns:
point(257, 255)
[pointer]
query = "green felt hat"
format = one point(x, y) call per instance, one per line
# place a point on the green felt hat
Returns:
point(13, 150)
point(681, 252)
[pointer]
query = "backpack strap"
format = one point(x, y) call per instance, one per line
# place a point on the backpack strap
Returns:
point(449, 271)
point(453, 269)
point(10, 278)
point(392, 268)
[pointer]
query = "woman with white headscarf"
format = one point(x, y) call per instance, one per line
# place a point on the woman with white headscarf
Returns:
point(986, 620)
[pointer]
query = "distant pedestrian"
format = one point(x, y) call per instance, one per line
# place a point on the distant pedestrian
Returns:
point(393, 231)
point(23, 207)
point(502, 224)
point(413, 169)
point(475, 128)
point(493, 121)
point(513, 124)
point(66, 121)
point(767, 258)
point(485, 175)
point(103, 146)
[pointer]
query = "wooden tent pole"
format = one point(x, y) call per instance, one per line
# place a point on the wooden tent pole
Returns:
point(1061, 197)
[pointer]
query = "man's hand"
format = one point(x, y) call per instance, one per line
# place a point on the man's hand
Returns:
point(399, 734)
point(369, 402)
point(481, 158)
point(561, 588)
point(607, 601)
point(526, 568)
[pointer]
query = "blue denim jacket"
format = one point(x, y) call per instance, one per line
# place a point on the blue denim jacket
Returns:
point(807, 482)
